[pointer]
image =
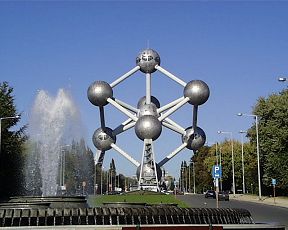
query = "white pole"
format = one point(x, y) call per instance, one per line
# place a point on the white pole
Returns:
point(171, 155)
point(170, 75)
point(148, 88)
point(123, 77)
point(258, 158)
point(169, 105)
point(126, 155)
point(242, 156)
point(173, 109)
point(233, 170)
point(122, 109)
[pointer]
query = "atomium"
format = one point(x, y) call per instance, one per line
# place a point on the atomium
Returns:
point(148, 118)
point(148, 127)
point(194, 140)
point(147, 60)
point(103, 138)
point(197, 91)
point(98, 93)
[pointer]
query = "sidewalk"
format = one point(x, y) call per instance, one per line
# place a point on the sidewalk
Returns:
point(279, 201)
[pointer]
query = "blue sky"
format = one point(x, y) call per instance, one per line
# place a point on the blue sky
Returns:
point(238, 48)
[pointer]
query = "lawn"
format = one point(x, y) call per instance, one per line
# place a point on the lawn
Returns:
point(97, 201)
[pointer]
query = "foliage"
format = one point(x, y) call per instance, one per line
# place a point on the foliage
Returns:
point(79, 169)
point(11, 157)
point(273, 135)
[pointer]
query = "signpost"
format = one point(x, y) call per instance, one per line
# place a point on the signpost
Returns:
point(274, 185)
point(217, 174)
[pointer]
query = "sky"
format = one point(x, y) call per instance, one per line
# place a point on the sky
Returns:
point(239, 48)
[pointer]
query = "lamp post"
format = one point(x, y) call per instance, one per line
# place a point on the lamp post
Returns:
point(242, 154)
point(194, 189)
point(232, 153)
point(5, 118)
point(257, 146)
point(282, 79)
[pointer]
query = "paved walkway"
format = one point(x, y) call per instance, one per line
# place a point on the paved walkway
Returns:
point(279, 201)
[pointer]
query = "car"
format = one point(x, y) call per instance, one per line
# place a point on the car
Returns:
point(223, 195)
point(210, 193)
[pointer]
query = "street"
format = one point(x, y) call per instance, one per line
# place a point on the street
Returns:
point(261, 213)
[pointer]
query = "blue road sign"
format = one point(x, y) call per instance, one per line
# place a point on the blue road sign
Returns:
point(216, 171)
point(273, 181)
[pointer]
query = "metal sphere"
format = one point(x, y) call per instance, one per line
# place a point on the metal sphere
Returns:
point(197, 91)
point(154, 101)
point(98, 93)
point(148, 127)
point(148, 110)
point(194, 140)
point(147, 60)
point(149, 171)
point(102, 139)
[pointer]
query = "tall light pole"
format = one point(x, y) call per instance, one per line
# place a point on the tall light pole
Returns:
point(194, 189)
point(257, 146)
point(282, 79)
point(232, 153)
point(242, 154)
point(5, 118)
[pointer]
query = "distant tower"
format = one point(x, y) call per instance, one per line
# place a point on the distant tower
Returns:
point(148, 118)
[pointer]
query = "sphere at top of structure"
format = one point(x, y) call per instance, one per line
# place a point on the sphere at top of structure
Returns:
point(194, 140)
point(149, 109)
point(103, 138)
point(197, 91)
point(148, 127)
point(147, 170)
point(154, 101)
point(147, 60)
point(98, 93)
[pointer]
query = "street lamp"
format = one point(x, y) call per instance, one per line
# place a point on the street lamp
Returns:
point(257, 146)
point(232, 153)
point(242, 154)
point(194, 190)
point(5, 118)
point(282, 79)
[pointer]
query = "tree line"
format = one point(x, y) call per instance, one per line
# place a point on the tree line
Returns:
point(272, 113)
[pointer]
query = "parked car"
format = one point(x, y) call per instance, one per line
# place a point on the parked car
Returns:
point(210, 193)
point(223, 196)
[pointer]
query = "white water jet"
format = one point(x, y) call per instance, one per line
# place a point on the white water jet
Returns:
point(54, 122)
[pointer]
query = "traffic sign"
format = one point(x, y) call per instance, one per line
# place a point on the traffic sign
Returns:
point(273, 181)
point(216, 171)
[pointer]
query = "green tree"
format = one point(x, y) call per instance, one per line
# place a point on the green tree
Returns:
point(11, 157)
point(273, 135)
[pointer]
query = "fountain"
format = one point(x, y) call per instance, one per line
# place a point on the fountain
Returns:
point(53, 122)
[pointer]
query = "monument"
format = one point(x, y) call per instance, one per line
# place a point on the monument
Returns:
point(148, 118)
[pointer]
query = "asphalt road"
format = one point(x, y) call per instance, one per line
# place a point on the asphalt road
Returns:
point(261, 213)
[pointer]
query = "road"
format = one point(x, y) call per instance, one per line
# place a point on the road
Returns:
point(261, 213)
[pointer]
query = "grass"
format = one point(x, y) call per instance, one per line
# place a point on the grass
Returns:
point(97, 201)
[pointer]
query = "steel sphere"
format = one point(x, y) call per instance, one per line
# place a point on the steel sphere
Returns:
point(194, 140)
point(148, 110)
point(98, 93)
point(147, 60)
point(154, 101)
point(102, 139)
point(197, 91)
point(148, 127)
point(149, 171)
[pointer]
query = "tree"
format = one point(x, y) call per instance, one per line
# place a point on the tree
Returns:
point(273, 135)
point(11, 157)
